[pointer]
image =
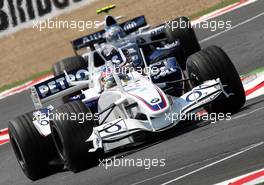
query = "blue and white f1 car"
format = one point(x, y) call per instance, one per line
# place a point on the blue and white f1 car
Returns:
point(109, 106)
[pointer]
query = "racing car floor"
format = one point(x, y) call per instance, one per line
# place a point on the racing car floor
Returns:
point(200, 154)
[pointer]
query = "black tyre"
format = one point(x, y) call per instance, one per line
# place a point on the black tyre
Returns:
point(69, 64)
point(181, 29)
point(212, 63)
point(69, 137)
point(32, 150)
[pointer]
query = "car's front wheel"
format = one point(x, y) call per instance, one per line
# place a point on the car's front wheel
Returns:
point(33, 151)
point(212, 63)
point(70, 129)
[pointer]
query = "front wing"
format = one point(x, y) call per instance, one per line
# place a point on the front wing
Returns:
point(119, 131)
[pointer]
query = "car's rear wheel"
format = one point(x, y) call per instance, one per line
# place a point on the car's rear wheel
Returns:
point(212, 63)
point(70, 136)
point(181, 30)
point(69, 64)
point(33, 151)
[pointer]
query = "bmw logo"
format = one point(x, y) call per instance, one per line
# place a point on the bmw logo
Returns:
point(155, 100)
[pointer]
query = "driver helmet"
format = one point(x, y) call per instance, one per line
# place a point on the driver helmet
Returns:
point(113, 31)
point(109, 81)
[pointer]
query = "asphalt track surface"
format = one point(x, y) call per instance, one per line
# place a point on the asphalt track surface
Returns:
point(198, 154)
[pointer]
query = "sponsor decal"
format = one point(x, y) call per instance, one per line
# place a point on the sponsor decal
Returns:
point(130, 25)
point(133, 24)
point(14, 13)
point(155, 100)
point(92, 37)
point(193, 96)
point(112, 128)
point(157, 31)
point(60, 83)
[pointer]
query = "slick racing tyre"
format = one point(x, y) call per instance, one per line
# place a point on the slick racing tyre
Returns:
point(181, 30)
point(69, 64)
point(32, 150)
point(70, 135)
point(212, 63)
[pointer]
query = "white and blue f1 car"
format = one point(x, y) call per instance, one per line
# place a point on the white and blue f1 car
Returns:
point(109, 106)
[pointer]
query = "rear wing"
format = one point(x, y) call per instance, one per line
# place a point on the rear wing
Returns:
point(58, 87)
point(129, 26)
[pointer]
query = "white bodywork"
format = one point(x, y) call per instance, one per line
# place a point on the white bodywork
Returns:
point(148, 99)
point(143, 92)
point(139, 105)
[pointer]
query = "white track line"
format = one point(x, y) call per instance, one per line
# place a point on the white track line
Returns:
point(3, 136)
point(214, 163)
point(248, 113)
point(3, 130)
point(233, 27)
point(256, 94)
point(178, 169)
point(197, 163)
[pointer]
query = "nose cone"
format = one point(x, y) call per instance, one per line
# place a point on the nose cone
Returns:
point(151, 100)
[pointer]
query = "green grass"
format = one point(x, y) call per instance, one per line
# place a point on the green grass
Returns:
point(195, 15)
point(17, 83)
point(220, 5)
point(258, 70)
